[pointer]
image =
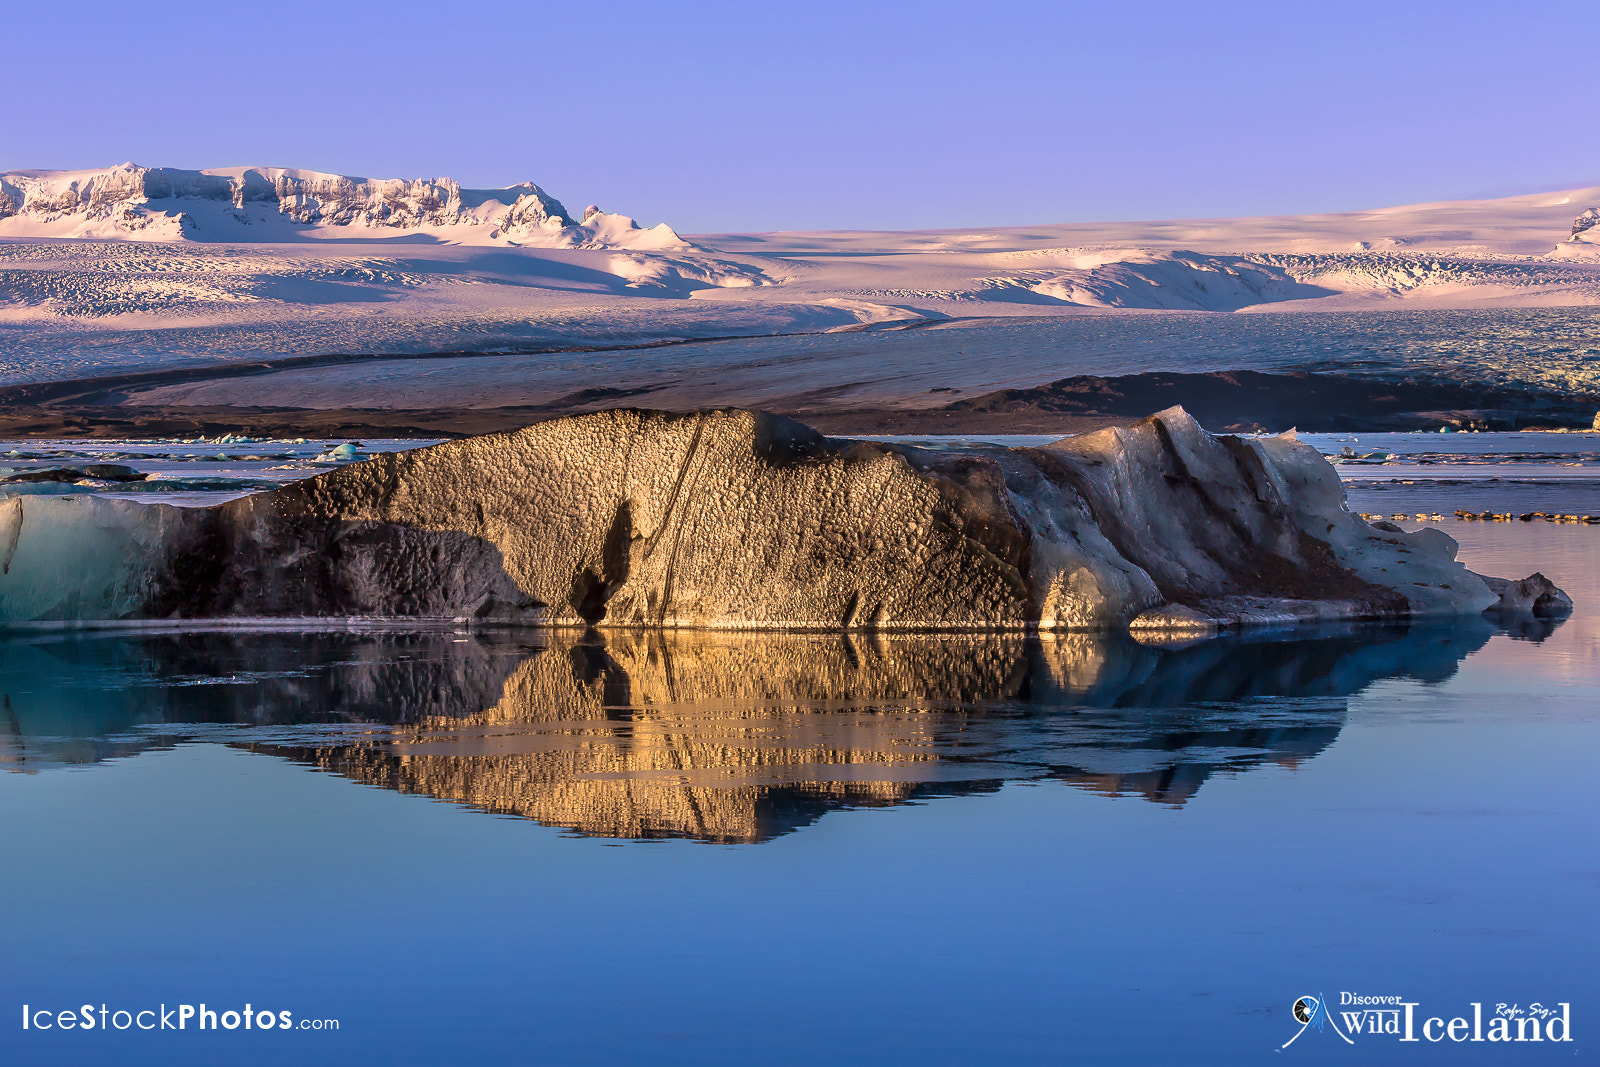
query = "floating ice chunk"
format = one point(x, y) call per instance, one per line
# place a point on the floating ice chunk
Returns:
point(344, 453)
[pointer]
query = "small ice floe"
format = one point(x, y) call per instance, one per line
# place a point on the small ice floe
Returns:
point(1350, 455)
point(107, 472)
point(10, 489)
point(1420, 516)
point(1547, 516)
point(1527, 516)
point(345, 453)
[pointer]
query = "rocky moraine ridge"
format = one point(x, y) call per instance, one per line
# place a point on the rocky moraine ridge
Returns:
point(733, 519)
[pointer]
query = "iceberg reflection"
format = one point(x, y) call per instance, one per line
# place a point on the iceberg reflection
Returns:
point(730, 738)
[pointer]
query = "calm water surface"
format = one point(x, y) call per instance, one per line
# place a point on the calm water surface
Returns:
point(546, 848)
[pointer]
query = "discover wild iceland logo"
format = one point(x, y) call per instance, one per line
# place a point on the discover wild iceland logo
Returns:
point(1359, 1016)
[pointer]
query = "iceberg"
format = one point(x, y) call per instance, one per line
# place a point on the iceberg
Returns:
point(734, 519)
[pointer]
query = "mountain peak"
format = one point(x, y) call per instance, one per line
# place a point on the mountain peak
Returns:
point(132, 202)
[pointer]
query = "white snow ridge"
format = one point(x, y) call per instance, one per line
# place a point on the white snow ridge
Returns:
point(279, 204)
point(1583, 227)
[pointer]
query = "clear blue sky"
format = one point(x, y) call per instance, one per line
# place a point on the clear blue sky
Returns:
point(759, 116)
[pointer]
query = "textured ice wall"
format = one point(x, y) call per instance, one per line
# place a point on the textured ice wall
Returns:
point(86, 557)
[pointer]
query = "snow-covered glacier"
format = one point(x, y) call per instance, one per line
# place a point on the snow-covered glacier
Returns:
point(135, 268)
point(279, 203)
point(733, 519)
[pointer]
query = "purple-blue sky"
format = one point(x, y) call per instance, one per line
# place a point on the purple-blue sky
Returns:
point(759, 116)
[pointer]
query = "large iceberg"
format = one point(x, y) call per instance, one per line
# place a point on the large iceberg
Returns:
point(741, 520)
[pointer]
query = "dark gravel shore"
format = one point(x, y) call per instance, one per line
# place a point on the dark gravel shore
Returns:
point(1236, 400)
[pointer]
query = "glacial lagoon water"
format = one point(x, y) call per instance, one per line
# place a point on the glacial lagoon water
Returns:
point(515, 847)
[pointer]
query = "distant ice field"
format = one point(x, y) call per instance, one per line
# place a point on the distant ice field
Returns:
point(1544, 349)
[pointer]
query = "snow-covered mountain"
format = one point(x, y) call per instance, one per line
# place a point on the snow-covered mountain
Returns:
point(116, 267)
point(1586, 227)
point(277, 204)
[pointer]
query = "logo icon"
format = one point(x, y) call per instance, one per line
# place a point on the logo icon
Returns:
point(1311, 1011)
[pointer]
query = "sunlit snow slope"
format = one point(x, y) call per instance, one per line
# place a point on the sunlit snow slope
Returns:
point(281, 204)
point(132, 264)
point(1539, 249)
